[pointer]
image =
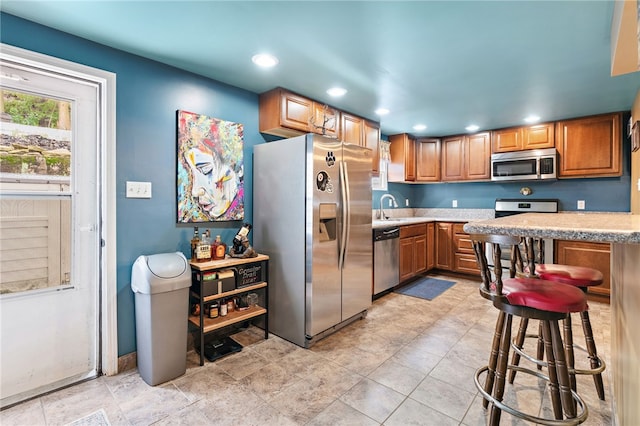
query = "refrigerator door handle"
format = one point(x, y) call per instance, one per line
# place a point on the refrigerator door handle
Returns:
point(346, 211)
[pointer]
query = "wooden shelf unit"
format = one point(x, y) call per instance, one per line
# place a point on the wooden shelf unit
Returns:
point(206, 325)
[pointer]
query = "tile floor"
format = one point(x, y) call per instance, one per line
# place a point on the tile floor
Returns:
point(409, 362)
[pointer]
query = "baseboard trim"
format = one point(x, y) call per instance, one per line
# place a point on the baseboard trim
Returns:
point(127, 362)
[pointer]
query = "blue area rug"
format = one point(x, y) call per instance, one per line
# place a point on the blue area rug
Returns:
point(426, 288)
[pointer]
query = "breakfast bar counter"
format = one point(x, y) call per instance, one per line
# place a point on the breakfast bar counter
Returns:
point(622, 230)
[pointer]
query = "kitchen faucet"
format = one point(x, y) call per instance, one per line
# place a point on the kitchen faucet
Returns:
point(381, 214)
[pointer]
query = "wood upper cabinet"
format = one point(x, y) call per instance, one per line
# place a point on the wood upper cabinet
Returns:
point(402, 165)
point(466, 157)
point(372, 140)
point(352, 128)
point(428, 160)
point(452, 160)
point(592, 255)
point(522, 138)
point(359, 131)
point(590, 146)
point(287, 114)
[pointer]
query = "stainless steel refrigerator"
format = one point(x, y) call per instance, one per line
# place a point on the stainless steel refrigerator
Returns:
point(312, 216)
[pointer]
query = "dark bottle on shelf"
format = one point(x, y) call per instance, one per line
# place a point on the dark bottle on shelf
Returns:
point(195, 242)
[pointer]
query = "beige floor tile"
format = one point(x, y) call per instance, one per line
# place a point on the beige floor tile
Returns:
point(27, 413)
point(398, 377)
point(373, 399)
point(453, 372)
point(411, 412)
point(444, 397)
point(341, 414)
point(269, 380)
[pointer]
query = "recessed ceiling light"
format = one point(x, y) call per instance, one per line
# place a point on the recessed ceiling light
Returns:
point(419, 127)
point(472, 127)
point(382, 111)
point(532, 119)
point(336, 91)
point(265, 60)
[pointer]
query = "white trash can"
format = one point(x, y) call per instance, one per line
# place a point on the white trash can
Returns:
point(161, 285)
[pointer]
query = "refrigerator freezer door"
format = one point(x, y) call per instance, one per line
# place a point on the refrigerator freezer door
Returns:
point(323, 230)
point(357, 269)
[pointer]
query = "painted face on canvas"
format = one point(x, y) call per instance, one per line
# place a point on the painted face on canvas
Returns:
point(214, 182)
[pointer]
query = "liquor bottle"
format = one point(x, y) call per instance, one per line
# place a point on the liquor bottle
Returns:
point(195, 240)
point(218, 248)
point(203, 251)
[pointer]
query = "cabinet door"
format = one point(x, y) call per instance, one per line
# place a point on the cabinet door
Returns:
point(539, 136)
point(478, 157)
point(452, 159)
point(406, 258)
point(592, 255)
point(325, 117)
point(431, 237)
point(506, 140)
point(295, 111)
point(402, 166)
point(590, 146)
point(428, 160)
point(443, 245)
point(351, 129)
point(420, 253)
point(372, 141)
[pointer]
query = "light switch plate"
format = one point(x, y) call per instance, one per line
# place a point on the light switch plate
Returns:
point(581, 204)
point(138, 189)
point(454, 203)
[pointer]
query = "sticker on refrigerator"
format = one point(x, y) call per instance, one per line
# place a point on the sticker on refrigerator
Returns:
point(330, 159)
point(323, 182)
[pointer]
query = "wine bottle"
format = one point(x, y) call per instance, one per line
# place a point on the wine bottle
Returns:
point(243, 232)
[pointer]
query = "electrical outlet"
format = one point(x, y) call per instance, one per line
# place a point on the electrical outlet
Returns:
point(454, 203)
point(138, 189)
point(390, 203)
point(406, 202)
point(581, 204)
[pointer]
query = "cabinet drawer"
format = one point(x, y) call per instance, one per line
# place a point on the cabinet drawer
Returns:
point(462, 244)
point(413, 230)
point(465, 263)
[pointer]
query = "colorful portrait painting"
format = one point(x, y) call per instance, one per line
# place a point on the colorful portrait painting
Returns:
point(210, 169)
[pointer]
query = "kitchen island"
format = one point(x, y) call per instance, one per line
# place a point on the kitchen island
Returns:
point(622, 230)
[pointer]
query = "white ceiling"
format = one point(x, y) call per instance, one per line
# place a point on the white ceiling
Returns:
point(445, 64)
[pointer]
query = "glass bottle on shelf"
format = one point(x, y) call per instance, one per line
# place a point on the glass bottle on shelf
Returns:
point(195, 241)
point(203, 251)
point(218, 248)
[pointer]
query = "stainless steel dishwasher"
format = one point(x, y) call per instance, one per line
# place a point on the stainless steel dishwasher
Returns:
point(386, 270)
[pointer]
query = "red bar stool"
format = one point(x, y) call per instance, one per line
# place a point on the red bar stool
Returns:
point(582, 278)
point(529, 298)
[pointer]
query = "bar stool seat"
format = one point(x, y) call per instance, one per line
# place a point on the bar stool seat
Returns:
point(580, 277)
point(529, 298)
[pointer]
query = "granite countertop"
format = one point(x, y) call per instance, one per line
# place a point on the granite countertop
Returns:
point(400, 217)
point(596, 227)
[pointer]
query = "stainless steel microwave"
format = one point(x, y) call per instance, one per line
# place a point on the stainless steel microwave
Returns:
point(535, 164)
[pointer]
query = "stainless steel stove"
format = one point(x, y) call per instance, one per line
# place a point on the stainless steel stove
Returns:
point(510, 206)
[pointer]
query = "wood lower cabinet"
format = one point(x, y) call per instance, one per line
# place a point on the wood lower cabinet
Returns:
point(287, 114)
point(413, 250)
point(402, 165)
point(466, 157)
point(444, 241)
point(590, 146)
point(464, 258)
point(431, 245)
point(428, 160)
point(454, 251)
point(522, 138)
point(592, 255)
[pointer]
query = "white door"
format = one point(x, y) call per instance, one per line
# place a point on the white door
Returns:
point(49, 231)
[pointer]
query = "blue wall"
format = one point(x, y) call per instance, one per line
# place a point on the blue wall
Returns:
point(148, 95)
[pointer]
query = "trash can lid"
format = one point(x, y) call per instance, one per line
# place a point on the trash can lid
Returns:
point(167, 265)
